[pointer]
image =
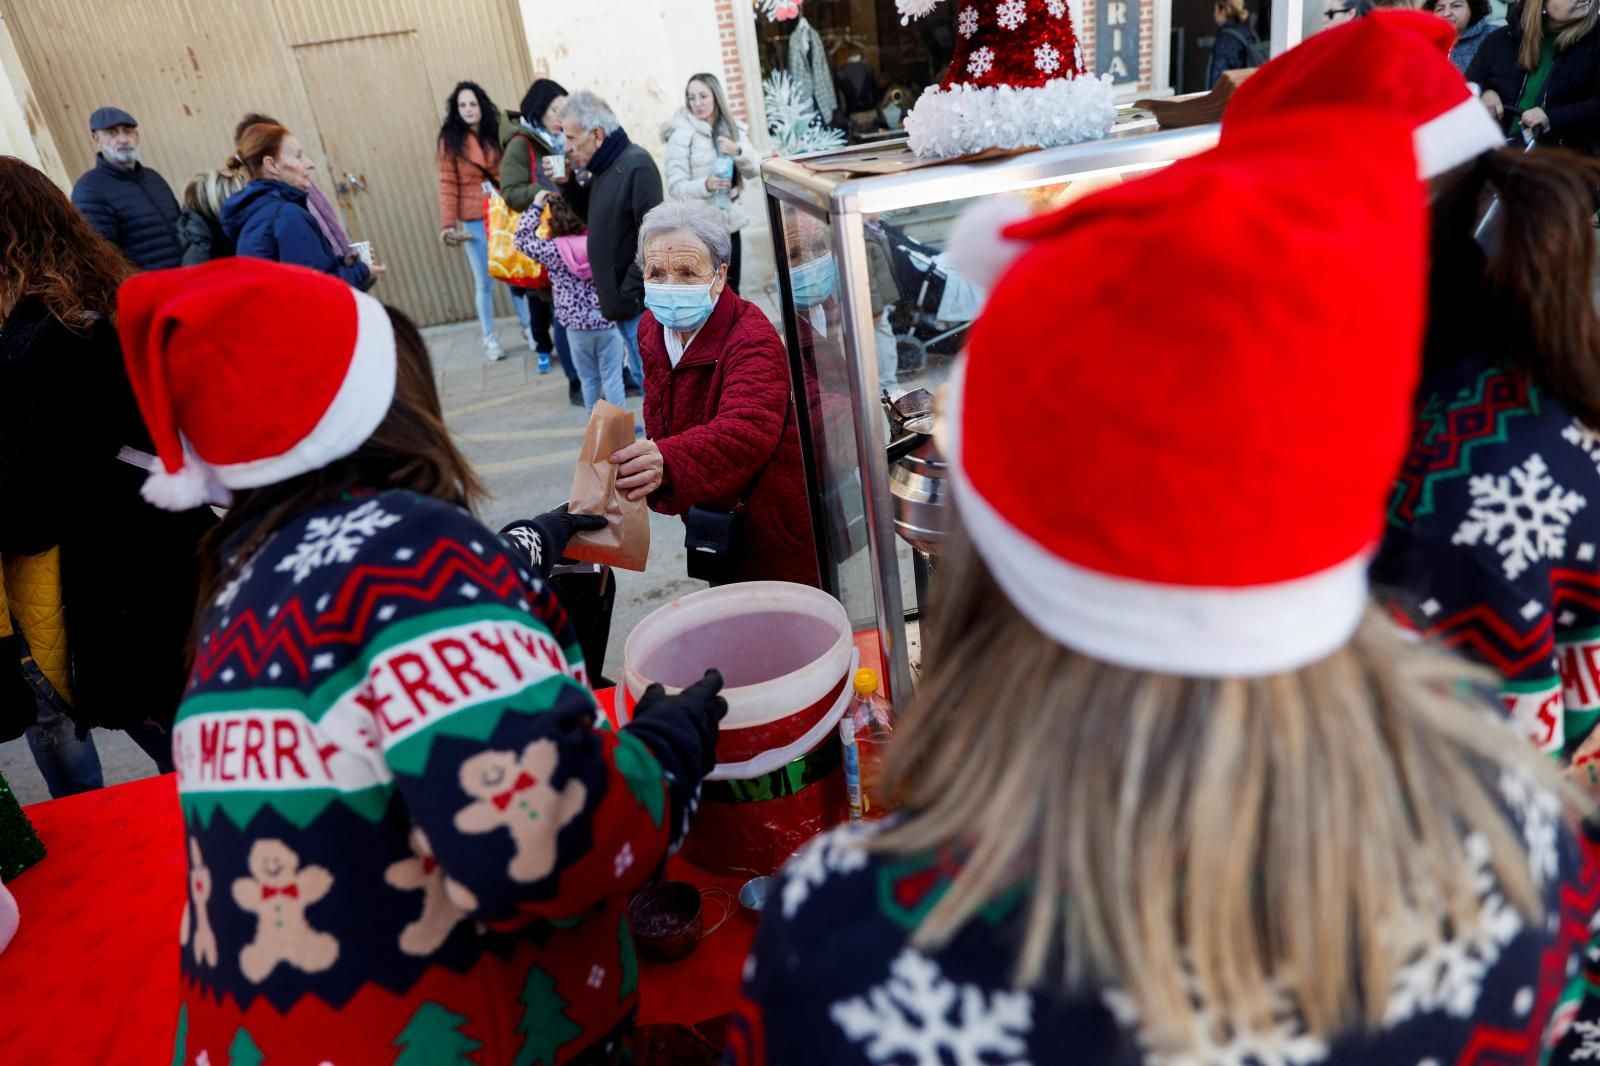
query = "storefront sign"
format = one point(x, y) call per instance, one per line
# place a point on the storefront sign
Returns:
point(1117, 39)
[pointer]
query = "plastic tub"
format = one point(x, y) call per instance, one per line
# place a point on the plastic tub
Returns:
point(786, 654)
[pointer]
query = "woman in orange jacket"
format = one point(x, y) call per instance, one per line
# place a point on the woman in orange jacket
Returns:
point(469, 155)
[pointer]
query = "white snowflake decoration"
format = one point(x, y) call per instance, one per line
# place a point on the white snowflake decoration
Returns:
point(1589, 1050)
point(1011, 14)
point(1216, 1043)
point(1539, 812)
point(1448, 975)
point(230, 591)
point(792, 117)
point(967, 21)
point(1524, 516)
point(835, 852)
point(1046, 59)
point(1057, 8)
point(1581, 435)
point(919, 1017)
point(980, 62)
point(335, 540)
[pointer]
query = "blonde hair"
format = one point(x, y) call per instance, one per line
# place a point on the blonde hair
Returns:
point(1533, 34)
point(1233, 10)
point(208, 191)
point(1240, 839)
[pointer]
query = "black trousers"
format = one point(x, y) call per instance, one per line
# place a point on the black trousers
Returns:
point(541, 313)
point(734, 261)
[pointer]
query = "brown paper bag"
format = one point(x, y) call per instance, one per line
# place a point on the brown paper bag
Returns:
point(625, 542)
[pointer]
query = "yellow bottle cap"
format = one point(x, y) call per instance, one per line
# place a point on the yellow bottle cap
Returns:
point(866, 682)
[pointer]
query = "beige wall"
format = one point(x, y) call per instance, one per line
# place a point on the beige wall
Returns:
point(637, 54)
point(23, 131)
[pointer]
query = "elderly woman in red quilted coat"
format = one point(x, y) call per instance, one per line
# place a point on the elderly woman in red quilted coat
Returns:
point(721, 425)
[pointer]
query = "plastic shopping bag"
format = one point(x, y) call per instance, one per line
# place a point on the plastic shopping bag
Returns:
point(505, 262)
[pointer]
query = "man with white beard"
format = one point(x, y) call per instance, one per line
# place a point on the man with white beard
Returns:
point(129, 204)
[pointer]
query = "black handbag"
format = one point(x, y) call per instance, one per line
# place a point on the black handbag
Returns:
point(711, 534)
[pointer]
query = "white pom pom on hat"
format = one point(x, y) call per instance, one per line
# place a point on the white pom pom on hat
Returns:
point(978, 247)
point(226, 407)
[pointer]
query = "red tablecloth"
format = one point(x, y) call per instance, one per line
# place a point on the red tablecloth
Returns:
point(92, 976)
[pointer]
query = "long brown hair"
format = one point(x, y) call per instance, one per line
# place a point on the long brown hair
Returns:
point(48, 250)
point(1227, 838)
point(1533, 33)
point(411, 449)
point(1540, 271)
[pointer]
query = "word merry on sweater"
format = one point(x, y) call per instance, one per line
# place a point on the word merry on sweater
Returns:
point(416, 675)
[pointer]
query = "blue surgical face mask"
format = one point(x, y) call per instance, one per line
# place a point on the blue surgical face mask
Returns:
point(679, 307)
point(813, 282)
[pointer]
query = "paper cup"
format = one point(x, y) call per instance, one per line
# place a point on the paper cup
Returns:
point(558, 167)
point(363, 250)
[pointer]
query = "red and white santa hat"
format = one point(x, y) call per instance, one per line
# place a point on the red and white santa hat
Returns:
point(249, 373)
point(1016, 80)
point(1392, 60)
point(1190, 477)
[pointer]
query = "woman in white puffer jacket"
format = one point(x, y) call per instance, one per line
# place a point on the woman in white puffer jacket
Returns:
point(700, 132)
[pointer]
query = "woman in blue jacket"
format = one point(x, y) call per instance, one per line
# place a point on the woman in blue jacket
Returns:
point(268, 219)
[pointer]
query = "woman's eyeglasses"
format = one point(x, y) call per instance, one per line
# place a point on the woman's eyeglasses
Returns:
point(1334, 12)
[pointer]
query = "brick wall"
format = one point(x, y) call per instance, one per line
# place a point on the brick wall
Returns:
point(732, 69)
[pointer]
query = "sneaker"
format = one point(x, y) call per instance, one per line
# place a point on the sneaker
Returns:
point(575, 393)
point(527, 337)
point(544, 362)
point(492, 350)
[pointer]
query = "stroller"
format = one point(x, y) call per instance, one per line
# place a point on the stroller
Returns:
point(935, 307)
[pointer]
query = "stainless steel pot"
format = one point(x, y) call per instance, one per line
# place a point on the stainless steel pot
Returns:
point(917, 481)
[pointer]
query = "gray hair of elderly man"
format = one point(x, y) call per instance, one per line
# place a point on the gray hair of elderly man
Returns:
point(701, 221)
point(589, 111)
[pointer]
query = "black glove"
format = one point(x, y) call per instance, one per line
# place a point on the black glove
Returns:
point(682, 729)
point(542, 540)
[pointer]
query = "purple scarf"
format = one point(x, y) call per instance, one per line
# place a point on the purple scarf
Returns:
point(327, 220)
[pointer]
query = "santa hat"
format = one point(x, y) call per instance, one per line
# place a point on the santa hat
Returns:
point(1392, 60)
point(249, 373)
point(1016, 80)
point(1190, 479)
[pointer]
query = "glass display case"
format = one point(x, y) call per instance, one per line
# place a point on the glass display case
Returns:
point(874, 313)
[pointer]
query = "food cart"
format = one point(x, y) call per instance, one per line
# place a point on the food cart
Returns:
point(859, 238)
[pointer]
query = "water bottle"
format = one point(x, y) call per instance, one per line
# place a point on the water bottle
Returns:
point(723, 168)
point(865, 733)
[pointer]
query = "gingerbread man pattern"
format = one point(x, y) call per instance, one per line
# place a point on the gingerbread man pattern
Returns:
point(515, 794)
point(278, 893)
point(202, 939)
point(439, 915)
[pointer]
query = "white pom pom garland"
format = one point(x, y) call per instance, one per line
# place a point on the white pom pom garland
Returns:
point(965, 119)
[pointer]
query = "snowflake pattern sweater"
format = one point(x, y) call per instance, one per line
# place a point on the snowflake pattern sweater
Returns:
point(833, 977)
point(408, 840)
point(1493, 530)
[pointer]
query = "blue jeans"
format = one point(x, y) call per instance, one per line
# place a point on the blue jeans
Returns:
point(477, 246)
point(67, 764)
point(564, 350)
point(630, 333)
point(598, 355)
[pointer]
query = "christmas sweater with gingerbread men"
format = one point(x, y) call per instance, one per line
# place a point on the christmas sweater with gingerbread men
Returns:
point(410, 838)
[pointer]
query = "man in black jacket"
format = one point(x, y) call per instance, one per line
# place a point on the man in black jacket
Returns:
point(624, 186)
point(127, 203)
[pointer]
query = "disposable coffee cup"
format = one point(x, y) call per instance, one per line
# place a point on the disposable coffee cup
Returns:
point(363, 250)
point(558, 167)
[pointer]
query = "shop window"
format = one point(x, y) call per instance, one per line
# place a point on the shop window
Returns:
point(846, 71)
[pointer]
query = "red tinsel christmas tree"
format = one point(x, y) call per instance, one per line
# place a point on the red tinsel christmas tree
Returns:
point(1017, 80)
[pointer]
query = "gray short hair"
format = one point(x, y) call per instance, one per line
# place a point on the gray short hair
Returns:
point(590, 112)
point(701, 221)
